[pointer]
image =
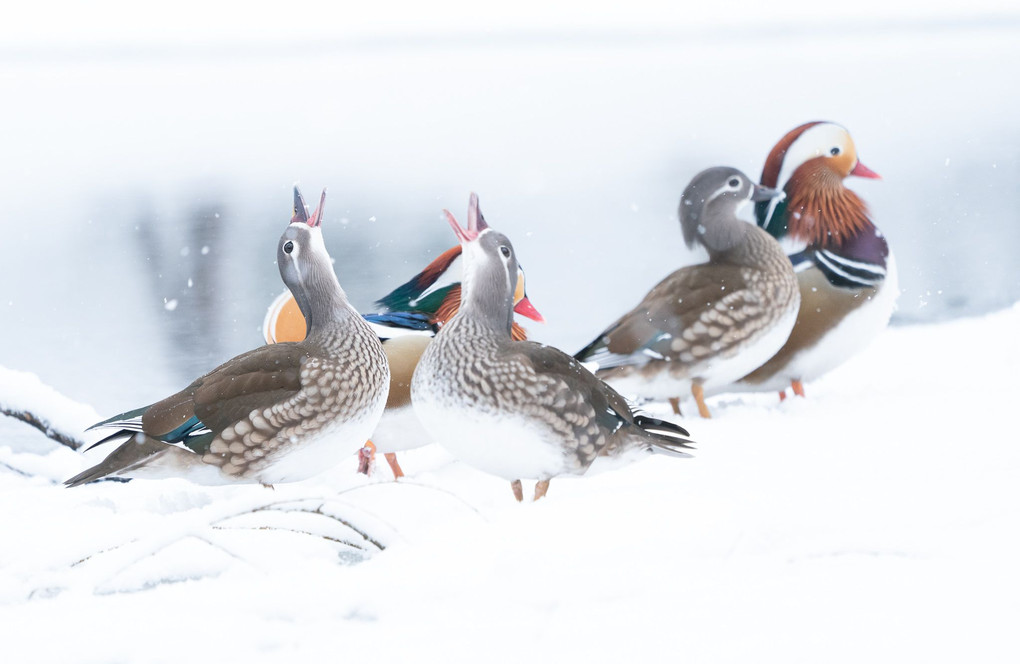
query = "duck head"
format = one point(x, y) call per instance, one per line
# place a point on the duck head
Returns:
point(306, 267)
point(810, 163)
point(716, 208)
point(436, 291)
point(491, 272)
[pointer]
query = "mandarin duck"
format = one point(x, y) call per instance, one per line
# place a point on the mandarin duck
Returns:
point(845, 269)
point(278, 413)
point(519, 409)
point(409, 317)
point(705, 325)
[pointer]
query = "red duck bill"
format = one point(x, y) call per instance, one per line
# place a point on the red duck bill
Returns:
point(525, 308)
point(862, 171)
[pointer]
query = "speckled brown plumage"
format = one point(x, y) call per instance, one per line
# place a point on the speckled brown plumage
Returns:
point(264, 416)
point(706, 324)
point(473, 368)
point(710, 310)
point(256, 414)
point(518, 409)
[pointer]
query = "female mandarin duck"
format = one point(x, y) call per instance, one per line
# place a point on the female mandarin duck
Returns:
point(845, 269)
point(275, 414)
point(412, 313)
point(518, 409)
point(705, 325)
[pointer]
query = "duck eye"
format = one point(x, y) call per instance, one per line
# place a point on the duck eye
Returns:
point(289, 247)
point(834, 151)
point(734, 183)
point(505, 251)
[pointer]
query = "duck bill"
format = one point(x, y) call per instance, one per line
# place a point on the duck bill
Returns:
point(300, 208)
point(476, 222)
point(862, 171)
point(316, 219)
point(525, 308)
point(760, 193)
point(463, 234)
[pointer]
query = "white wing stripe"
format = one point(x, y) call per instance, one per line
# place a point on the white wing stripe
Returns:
point(856, 265)
point(845, 275)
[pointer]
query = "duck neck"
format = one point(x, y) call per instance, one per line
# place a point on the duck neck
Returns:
point(487, 297)
point(322, 300)
point(818, 210)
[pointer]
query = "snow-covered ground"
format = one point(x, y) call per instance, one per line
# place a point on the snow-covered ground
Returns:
point(877, 520)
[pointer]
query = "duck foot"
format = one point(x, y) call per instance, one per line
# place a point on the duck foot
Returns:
point(268, 486)
point(782, 396)
point(541, 487)
point(675, 403)
point(798, 388)
point(518, 490)
point(699, 397)
point(391, 459)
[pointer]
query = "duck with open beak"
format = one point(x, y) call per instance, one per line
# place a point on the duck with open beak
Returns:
point(518, 409)
point(407, 320)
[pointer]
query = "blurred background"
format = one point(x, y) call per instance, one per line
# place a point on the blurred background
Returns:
point(147, 156)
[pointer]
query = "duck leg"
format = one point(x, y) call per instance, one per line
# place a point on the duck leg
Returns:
point(798, 388)
point(541, 487)
point(699, 397)
point(675, 403)
point(391, 459)
point(518, 490)
point(782, 396)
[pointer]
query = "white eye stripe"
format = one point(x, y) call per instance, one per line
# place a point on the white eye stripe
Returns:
point(717, 193)
point(813, 142)
point(724, 189)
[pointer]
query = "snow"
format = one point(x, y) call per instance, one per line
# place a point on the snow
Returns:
point(22, 392)
point(875, 520)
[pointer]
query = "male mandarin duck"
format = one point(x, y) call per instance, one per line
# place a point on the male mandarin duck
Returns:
point(845, 268)
point(705, 325)
point(411, 314)
point(274, 414)
point(518, 409)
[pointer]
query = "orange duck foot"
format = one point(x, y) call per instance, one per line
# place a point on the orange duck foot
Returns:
point(782, 395)
point(699, 397)
point(541, 487)
point(391, 459)
point(798, 388)
point(675, 403)
point(518, 490)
